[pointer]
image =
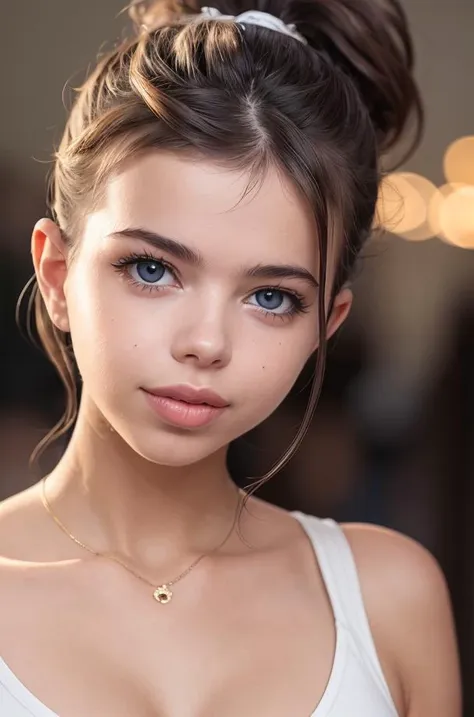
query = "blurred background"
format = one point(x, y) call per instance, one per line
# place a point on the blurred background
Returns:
point(393, 438)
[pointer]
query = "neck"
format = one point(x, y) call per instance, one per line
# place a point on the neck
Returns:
point(113, 500)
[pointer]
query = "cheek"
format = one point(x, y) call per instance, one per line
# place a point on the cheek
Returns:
point(272, 371)
point(104, 334)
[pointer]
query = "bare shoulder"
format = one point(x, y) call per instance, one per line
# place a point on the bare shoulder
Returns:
point(19, 520)
point(409, 609)
point(25, 532)
point(15, 517)
point(388, 560)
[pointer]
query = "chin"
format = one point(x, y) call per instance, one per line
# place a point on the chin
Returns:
point(177, 451)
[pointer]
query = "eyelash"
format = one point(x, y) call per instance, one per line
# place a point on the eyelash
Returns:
point(299, 306)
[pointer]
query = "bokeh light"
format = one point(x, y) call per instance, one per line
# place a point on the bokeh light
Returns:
point(434, 210)
point(459, 161)
point(403, 205)
point(456, 217)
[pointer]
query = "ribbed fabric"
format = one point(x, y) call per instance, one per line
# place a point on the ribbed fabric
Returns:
point(356, 687)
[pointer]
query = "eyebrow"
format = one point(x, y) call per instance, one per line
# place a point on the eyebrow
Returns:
point(190, 256)
point(282, 271)
point(171, 246)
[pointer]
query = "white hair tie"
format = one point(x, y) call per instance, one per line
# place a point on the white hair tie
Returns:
point(256, 17)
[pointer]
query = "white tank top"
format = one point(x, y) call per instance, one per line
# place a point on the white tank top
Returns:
point(356, 687)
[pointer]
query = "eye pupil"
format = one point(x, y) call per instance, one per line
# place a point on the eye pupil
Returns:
point(270, 299)
point(150, 271)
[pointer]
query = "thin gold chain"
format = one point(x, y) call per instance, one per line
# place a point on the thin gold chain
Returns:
point(110, 556)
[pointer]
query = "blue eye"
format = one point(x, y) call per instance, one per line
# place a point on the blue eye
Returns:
point(146, 271)
point(149, 271)
point(277, 302)
point(270, 299)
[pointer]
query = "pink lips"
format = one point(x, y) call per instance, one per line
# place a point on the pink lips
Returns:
point(186, 406)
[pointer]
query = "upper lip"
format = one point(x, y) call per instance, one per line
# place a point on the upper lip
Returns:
point(190, 394)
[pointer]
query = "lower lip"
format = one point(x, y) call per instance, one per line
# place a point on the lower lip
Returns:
point(182, 414)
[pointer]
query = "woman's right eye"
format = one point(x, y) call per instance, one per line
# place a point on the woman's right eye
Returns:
point(150, 272)
point(146, 272)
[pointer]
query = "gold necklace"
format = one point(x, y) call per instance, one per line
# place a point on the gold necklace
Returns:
point(162, 593)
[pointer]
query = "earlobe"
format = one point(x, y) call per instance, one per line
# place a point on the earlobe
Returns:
point(49, 254)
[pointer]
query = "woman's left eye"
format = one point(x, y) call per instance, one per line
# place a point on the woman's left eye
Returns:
point(277, 302)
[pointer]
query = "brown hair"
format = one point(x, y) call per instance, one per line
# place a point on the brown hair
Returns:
point(248, 97)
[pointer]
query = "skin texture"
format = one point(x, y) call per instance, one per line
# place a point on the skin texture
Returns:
point(159, 496)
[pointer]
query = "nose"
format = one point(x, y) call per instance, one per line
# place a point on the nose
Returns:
point(203, 338)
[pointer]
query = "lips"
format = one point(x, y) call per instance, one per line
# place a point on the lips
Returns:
point(190, 394)
point(186, 407)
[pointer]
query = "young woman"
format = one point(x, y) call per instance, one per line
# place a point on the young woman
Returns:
point(217, 177)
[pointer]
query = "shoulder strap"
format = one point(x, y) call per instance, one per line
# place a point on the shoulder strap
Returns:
point(339, 571)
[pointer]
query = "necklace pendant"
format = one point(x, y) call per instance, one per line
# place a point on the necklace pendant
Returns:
point(163, 594)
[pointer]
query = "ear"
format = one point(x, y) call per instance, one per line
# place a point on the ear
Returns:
point(49, 254)
point(340, 310)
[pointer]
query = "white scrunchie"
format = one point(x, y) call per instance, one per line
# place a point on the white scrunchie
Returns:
point(256, 17)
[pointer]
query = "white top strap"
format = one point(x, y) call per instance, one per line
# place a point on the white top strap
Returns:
point(339, 571)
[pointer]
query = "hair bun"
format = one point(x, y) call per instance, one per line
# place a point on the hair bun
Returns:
point(152, 14)
point(370, 41)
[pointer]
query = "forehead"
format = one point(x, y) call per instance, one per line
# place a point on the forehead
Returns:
point(202, 204)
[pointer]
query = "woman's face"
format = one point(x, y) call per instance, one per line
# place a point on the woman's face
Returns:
point(177, 281)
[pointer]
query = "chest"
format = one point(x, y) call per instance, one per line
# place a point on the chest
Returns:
point(224, 646)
